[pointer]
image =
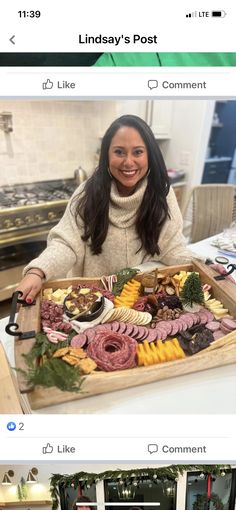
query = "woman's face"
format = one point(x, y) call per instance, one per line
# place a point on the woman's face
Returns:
point(128, 159)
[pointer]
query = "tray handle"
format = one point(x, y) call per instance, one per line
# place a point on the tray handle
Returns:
point(12, 327)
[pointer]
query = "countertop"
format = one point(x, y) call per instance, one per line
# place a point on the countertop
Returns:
point(209, 391)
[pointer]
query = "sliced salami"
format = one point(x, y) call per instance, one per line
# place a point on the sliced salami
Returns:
point(188, 318)
point(79, 340)
point(113, 351)
point(90, 333)
point(229, 323)
point(165, 326)
point(213, 326)
point(152, 335)
point(122, 328)
point(135, 331)
point(218, 334)
point(140, 334)
point(129, 329)
point(161, 334)
point(203, 317)
point(195, 317)
point(115, 326)
point(209, 315)
point(175, 328)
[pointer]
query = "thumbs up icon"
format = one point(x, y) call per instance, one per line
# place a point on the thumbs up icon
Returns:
point(47, 84)
point(48, 448)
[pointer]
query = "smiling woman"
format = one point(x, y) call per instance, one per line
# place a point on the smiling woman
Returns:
point(125, 214)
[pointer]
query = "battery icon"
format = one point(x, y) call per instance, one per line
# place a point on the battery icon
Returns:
point(218, 14)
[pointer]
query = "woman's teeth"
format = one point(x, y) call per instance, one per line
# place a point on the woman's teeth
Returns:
point(126, 172)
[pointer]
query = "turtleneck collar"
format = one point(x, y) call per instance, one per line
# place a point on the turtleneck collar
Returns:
point(123, 210)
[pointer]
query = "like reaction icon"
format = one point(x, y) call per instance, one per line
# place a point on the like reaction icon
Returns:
point(47, 85)
point(47, 449)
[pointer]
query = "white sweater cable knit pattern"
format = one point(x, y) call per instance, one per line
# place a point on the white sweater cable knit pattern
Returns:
point(66, 251)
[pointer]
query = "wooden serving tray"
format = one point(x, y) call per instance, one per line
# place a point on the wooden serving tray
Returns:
point(103, 382)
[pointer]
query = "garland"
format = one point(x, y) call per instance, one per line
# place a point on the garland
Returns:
point(163, 473)
point(202, 502)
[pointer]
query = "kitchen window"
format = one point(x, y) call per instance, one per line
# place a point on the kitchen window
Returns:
point(222, 486)
point(144, 494)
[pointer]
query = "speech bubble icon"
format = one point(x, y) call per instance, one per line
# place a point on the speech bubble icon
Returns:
point(152, 84)
point(152, 448)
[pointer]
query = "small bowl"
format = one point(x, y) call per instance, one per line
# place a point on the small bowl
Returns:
point(97, 307)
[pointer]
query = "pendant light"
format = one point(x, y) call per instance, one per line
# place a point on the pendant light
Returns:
point(7, 477)
point(31, 478)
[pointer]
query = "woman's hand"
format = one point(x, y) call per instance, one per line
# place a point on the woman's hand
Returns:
point(31, 284)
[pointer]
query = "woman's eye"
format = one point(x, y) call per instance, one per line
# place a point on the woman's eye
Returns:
point(119, 152)
point(138, 152)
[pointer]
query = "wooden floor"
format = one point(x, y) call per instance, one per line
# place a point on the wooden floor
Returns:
point(5, 308)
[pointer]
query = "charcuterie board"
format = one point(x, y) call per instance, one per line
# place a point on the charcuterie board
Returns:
point(222, 352)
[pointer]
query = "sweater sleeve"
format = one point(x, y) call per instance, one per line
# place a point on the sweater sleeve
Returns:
point(172, 242)
point(65, 248)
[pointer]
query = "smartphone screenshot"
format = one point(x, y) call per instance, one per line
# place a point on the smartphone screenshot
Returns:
point(117, 256)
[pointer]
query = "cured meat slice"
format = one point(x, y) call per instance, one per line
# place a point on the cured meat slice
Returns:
point(129, 329)
point(141, 333)
point(135, 331)
point(209, 315)
point(213, 325)
point(225, 330)
point(161, 334)
point(113, 351)
point(229, 323)
point(122, 328)
point(79, 340)
point(188, 319)
point(203, 317)
point(218, 334)
point(195, 317)
point(178, 324)
point(90, 333)
point(152, 335)
point(115, 326)
point(165, 326)
point(175, 327)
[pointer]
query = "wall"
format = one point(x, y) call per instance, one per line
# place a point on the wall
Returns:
point(41, 490)
point(50, 139)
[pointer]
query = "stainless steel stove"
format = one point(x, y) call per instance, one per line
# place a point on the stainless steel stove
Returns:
point(27, 209)
point(27, 213)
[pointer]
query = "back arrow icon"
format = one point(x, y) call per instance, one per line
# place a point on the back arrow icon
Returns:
point(11, 39)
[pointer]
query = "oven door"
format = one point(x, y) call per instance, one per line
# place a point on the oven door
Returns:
point(13, 258)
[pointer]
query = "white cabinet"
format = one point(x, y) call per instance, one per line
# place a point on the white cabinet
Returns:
point(157, 114)
point(132, 107)
point(159, 118)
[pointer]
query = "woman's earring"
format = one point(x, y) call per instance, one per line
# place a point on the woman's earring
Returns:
point(108, 169)
point(148, 172)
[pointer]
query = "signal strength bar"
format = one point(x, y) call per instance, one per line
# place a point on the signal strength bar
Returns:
point(192, 14)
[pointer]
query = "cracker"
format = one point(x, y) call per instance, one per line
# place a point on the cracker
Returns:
point(61, 352)
point(87, 365)
point(77, 352)
point(71, 360)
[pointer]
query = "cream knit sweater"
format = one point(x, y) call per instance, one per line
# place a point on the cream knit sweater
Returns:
point(67, 252)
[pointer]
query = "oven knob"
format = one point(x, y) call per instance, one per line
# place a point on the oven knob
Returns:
point(8, 224)
point(38, 218)
point(51, 215)
point(19, 222)
point(29, 219)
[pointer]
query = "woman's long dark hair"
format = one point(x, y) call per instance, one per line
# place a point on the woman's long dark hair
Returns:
point(93, 204)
